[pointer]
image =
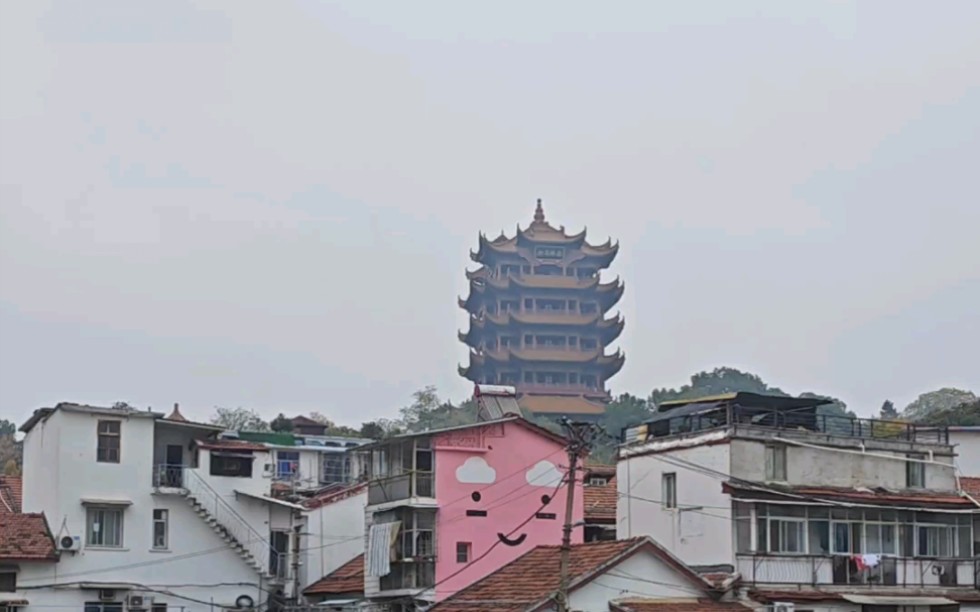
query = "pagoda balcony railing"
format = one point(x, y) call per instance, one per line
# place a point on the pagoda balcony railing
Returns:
point(545, 388)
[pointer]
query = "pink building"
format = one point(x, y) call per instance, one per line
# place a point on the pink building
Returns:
point(447, 507)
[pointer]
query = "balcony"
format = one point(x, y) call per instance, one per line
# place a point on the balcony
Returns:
point(798, 570)
point(401, 487)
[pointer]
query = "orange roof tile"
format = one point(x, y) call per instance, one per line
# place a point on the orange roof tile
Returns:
point(971, 486)
point(348, 578)
point(11, 494)
point(530, 580)
point(26, 537)
point(679, 605)
point(600, 502)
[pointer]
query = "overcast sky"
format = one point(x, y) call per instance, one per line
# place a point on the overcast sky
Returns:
point(271, 205)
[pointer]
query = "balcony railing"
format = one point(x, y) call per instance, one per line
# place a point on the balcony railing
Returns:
point(843, 570)
point(403, 486)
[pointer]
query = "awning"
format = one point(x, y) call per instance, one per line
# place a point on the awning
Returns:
point(897, 600)
point(271, 500)
point(88, 501)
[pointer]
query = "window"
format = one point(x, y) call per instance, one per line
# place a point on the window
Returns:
point(108, 446)
point(104, 527)
point(287, 464)
point(669, 490)
point(743, 527)
point(915, 471)
point(787, 536)
point(158, 607)
point(879, 539)
point(103, 606)
point(8, 581)
point(776, 463)
point(463, 552)
point(937, 541)
point(160, 517)
point(231, 464)
point(597, 481)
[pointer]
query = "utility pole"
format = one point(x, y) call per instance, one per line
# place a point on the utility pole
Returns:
point(580, 436)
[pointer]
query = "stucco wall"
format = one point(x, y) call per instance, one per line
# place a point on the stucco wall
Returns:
point(967, 450)
point(336, 535)
point(835, 467)
point(498, 464)
point(699, 530)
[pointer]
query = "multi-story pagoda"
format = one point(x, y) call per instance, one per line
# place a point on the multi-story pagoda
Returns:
point(538, 318)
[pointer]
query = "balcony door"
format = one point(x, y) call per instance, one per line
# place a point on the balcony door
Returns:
point(173, 470)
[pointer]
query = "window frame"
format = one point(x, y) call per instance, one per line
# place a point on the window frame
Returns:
point(90, 519)
point(781, 525)
point(12, 573)
point(776, 459)
point(915, 471)
point(103, 454)
point(164, 520)
point(464, 550)
point(292, 464)
point(668, 490)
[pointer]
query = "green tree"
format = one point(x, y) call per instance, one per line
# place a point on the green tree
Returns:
point(380, 429)
point(11, 451)
point(967, 414)
point(937, 401)
point(718, 381)
point(622, 412)
point(239, 419)
point(888, 411)
point(281, 424)
point(428, 411)
point(7, 428)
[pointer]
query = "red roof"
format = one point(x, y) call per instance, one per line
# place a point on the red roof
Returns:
point(26, 537)
point(333, 496)
point(690, 605)
point(971, 486)
point(11, 494)
point(530, 580)
point(348, 578)
point(240, 445)
point(918, 497)
point(600, 502)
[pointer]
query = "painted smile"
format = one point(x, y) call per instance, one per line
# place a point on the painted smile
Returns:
point(512, 542)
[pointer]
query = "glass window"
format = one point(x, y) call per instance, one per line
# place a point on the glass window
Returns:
point(915, 472)
point(8, 581)
point(104, 527)
point(819, 532)
point(669, 490)
point(463, 552)
point(108, 443)
point(842, 538)
point(936, 541)
point(776, 463)
point(787, 536)
point(160, 519)
point(230, 464)
point(287, 464)
point(880, 539)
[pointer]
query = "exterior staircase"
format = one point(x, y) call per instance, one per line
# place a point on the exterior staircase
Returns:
point(230, 526)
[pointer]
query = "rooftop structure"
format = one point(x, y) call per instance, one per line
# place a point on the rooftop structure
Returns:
point(538, 318)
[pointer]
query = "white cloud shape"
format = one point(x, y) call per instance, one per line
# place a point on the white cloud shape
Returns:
point(476, 470)
point(544, 474)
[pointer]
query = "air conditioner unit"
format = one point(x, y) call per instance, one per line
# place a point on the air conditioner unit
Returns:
point(136, 602)
point(70, 543)
point(107, 594)
point(783, 606)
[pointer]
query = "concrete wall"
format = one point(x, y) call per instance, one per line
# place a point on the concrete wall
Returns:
point(42, 467)
point(641, 575)
point(968, 451)
point(336, 535)
point(511, 467)
point(699, 530)
point(837, 467)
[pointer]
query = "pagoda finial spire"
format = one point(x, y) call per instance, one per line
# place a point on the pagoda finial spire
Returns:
point(539, 213)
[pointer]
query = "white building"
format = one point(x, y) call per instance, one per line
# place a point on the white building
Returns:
point(832, 514)
point(150, 512)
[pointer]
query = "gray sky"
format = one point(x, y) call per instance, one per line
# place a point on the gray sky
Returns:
point(270, 205)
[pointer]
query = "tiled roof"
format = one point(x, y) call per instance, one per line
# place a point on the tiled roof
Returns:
point(348, 578)
point(679, 605)
point(918, 497)
point(333, 496)
point(600, 469)
point(531, 579)
point(241, 445)
point(560, 404)
point(26, 537)
point(11, 494)
point(600, 502)
point(971, 486)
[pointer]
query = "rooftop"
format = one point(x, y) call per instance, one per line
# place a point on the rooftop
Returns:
point(26, 537)
point(971, 486)
point(532, 579)
point(346, 579)
point(923, 498)
point(560, 404)
point(120, 411)
point(232, 445)
point(11, 494)
point(517, 420)
point(333, 495)
point(678, 605)
point(600, 502)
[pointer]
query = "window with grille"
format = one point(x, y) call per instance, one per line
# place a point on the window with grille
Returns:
point(108, 442)
point(104, 527)
point(8, 581)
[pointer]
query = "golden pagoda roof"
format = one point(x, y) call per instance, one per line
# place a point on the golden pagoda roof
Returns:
point(560, 404)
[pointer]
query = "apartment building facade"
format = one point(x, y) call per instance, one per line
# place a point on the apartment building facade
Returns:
point(149, 513)
point(446, 507)
point(826, 513)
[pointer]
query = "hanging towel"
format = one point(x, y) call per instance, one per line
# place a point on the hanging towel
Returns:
point(871, 560)
point(859, 562)
point(381, 539)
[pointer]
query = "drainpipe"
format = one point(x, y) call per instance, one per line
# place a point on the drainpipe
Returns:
point(297, 528)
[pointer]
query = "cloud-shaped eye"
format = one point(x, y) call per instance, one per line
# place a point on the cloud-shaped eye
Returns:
point(543, 474)
point(476, 470)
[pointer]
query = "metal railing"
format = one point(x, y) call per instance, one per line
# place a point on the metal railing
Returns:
point(843, 570)
point(169, 475)
point(234, 525)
